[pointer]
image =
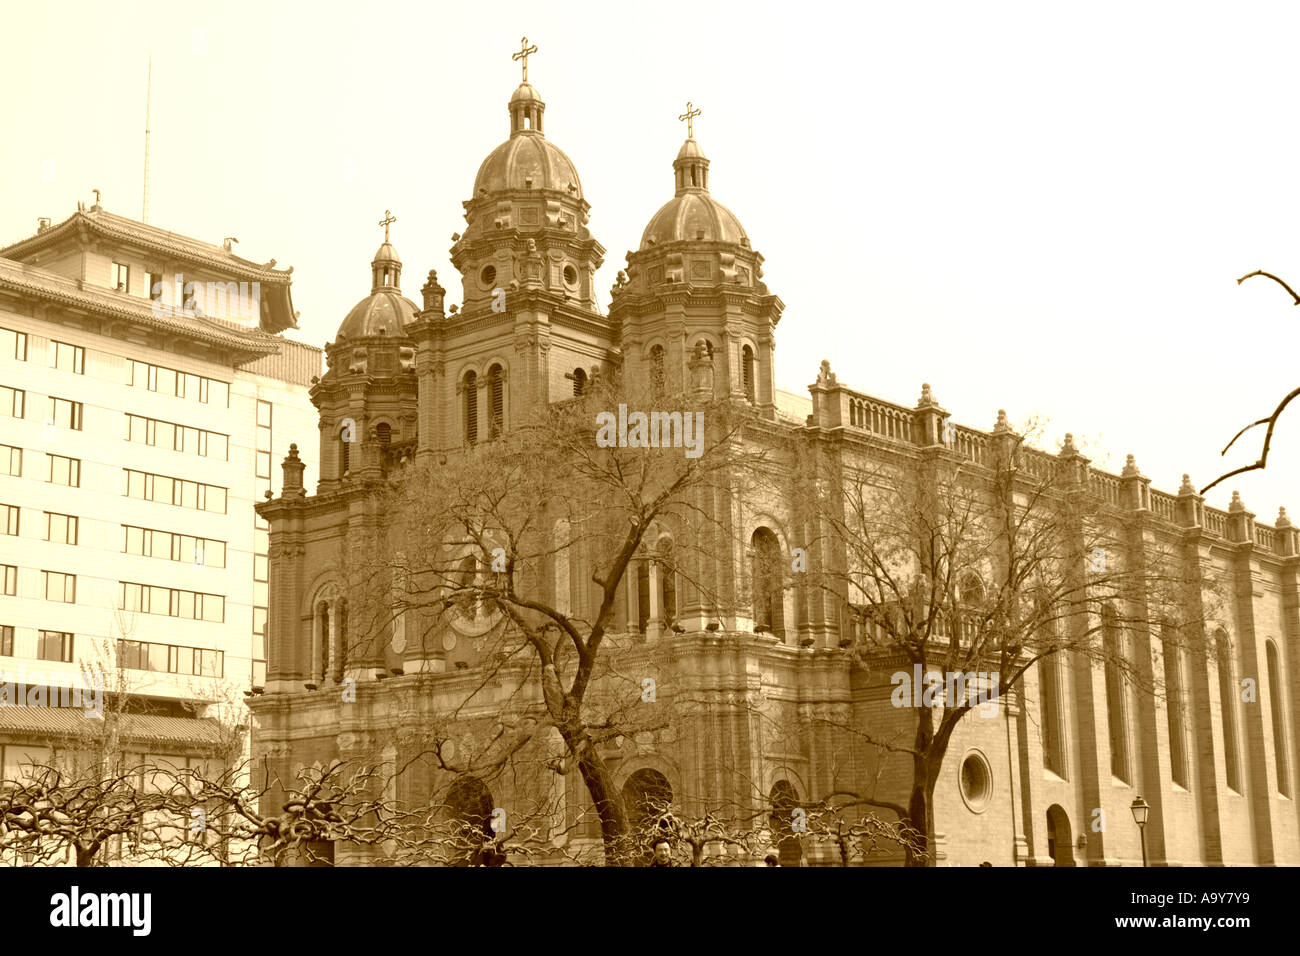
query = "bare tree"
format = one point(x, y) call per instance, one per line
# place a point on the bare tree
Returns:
point(1271, 420)
point(972, 574)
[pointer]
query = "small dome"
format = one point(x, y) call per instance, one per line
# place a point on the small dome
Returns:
point(696, 216)
point(526, 91)
point(690, 150)
point(383, 313)
point(523, 157)
point(386, 253)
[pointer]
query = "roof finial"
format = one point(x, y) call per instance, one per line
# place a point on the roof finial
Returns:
point(689, 116)
point(387, 221)
point(524, 51)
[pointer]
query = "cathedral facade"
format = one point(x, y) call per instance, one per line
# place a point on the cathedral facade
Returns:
point(415, 381)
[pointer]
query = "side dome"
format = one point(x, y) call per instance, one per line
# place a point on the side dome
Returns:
point(382, 313)
point(527, 162)
point(385, 312)
point(695, 216)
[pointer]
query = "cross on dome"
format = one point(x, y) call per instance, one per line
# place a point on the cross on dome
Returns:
point(524, 51)
point(689, 116)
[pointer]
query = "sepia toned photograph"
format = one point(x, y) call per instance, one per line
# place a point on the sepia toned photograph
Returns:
point(623, 436)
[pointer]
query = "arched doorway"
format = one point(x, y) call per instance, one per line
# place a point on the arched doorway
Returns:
point(784, 800)
point(647, 795)
point(469, 804)
point(1060, 839)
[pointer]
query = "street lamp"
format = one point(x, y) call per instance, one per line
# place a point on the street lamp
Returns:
point(1140, 810)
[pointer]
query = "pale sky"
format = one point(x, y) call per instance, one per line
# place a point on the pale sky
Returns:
point(1042, 207)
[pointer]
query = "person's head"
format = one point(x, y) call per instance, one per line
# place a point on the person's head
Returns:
point(663, 851)
point(771, 858)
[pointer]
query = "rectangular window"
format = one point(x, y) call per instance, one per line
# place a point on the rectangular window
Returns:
point(54, 646)
point(6, 641)
point(9, 518)
point(154, 281)
point(63, 471)
point(263, 414)
point(194, 441)
point(65, 413)
point(263, 464)
point(11, 461)
point(128, 654)
point(259, 567)
point(9, 574)
point(201, 552)
point(172, 602)
point(13, 345)
point(13, 402)
point(121, 277)
point(175, 491)
point(68, 358)
point(61, 529)
point(57, 586)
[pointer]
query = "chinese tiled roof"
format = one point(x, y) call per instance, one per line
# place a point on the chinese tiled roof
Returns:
point(173, 246)
point(73, 722)
point(27, 280)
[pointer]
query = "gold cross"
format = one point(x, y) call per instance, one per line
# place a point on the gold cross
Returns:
point(689, 116)
point(524, 51)
point(388, 220)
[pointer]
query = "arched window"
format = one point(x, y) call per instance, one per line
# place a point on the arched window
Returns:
point(469, 806)
point(1278, 710)
point(1116, 698)
point(784, 801)
point(667, 581)
point(768, 584)
point(579, 381)
point(642, 593)
point(1228, 704)
point(1175, 709)
point(384, 433)
point(647, 796)
point(970, 602)
point(747, 371)
point(497, 396)
point(345, 442)
point(657, 366)
point(1053, 712)
point(471, 407)
point(463, 583)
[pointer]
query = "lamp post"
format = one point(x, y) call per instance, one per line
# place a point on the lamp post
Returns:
point(1140, 810)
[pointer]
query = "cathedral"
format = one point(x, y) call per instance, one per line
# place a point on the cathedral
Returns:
point(412, 379)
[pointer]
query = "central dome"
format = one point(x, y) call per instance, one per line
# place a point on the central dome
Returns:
point(527, 160)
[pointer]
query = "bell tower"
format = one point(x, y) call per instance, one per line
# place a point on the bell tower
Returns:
point(691, 309)
point(529, 329)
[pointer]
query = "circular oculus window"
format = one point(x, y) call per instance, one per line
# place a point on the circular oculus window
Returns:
point(488, 275)
point(570, 275)
point(976, 782)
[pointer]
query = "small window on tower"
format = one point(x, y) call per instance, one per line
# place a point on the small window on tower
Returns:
point(579, 381)
point(487, 276)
